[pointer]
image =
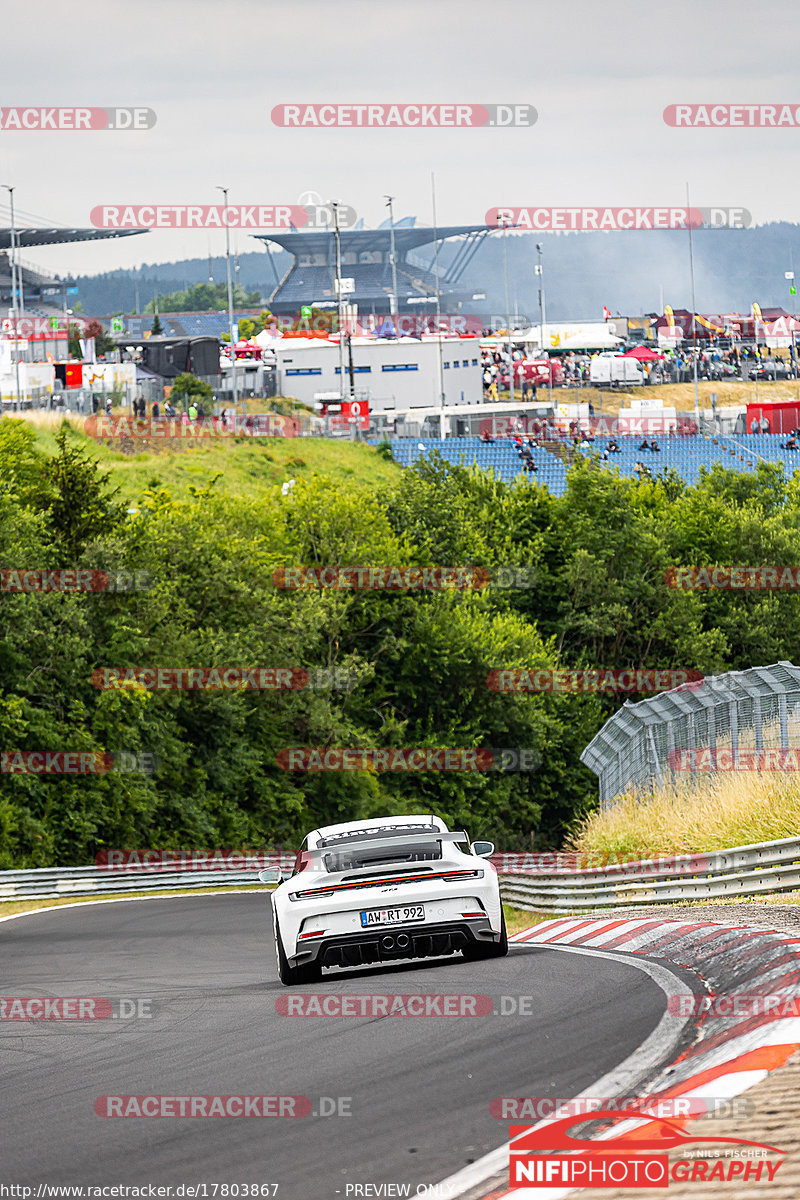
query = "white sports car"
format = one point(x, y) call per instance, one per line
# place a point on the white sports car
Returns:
point(382, 890)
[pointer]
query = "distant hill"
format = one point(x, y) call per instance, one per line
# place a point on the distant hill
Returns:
point(628, 272)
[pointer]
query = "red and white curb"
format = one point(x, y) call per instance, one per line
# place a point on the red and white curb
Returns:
point(730, 1054)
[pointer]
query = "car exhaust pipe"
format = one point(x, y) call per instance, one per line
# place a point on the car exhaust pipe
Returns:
point(403, 941)
point(387, 943)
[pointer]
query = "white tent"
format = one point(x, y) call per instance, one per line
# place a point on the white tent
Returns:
point(780, 334)
point(583, 335)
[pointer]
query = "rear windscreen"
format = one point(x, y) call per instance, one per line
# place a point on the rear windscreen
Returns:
point(406, 850)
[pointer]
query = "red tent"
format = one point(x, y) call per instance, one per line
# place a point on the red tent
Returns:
point(643, 354)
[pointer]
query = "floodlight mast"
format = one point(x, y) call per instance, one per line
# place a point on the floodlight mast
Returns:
point(393, 258)
point(14, 290)
point(224, 191)
point(338, 241)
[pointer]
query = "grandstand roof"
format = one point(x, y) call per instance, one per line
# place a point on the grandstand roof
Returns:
point(298, 241)
point(55, 237)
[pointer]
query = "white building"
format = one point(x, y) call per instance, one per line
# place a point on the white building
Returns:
point(397, 375)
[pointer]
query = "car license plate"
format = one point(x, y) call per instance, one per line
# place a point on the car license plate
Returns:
point(393, 916)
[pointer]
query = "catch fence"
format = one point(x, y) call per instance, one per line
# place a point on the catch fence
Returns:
point(657, 740)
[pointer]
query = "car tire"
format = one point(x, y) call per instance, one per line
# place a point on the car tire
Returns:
point(479, 950)
point(292, 976)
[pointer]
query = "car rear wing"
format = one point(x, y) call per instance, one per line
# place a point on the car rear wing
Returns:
point(309, 857)
point(389, 843)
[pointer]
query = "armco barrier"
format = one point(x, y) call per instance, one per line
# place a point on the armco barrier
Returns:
point(56, 883)
point(743, 871)
point(537, 885)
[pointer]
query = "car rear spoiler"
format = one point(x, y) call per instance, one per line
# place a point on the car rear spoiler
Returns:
point(386, 843)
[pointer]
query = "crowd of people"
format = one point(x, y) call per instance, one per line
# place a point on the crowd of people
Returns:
point(714, 362)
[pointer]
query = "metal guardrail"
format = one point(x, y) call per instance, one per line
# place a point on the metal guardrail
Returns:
point(58, 883)
point(754, 870)
point(741, 871)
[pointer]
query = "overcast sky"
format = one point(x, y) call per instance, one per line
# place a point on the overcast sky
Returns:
point(599, 75)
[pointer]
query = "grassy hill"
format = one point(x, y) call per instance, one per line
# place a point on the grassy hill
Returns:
point(245, 467)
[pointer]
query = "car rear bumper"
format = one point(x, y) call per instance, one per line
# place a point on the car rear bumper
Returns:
point(382, 945)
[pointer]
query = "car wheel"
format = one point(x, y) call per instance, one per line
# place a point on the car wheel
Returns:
point(292, 976)
point(479, 950)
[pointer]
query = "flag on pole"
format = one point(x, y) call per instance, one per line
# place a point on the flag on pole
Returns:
point(606, 313)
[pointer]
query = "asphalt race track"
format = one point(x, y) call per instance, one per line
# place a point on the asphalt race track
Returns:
point(419, 1088)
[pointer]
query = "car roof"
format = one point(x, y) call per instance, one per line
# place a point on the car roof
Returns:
point(416, 821)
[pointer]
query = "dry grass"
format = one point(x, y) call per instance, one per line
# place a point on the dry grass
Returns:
point(50, 421)
point(716, 812)
point(681, 395)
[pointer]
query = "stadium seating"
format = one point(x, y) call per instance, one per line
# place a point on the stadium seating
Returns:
point(501, 457)
point(684, 455)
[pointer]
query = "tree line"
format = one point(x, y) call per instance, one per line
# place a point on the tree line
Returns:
point(392, 669)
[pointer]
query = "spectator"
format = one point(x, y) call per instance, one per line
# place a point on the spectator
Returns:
point(169, 410)
point(156, 410)
point(754, 425)
point(192, 411)
point(486, 438)
point(530, 465)
point(108, 407)
point(142, 408)
point(764, 425)
point(654, 446)
point(790, 444)
point(613, 448)
point(644, 446)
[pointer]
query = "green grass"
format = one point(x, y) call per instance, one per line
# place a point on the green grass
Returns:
point(247, 467)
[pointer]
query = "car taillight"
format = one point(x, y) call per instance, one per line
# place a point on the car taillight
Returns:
point(315, 933)
point(390, 881)
point(479, 913)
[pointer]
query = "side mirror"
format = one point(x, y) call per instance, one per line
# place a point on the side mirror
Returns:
point(483, 849)
point(271, 875)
